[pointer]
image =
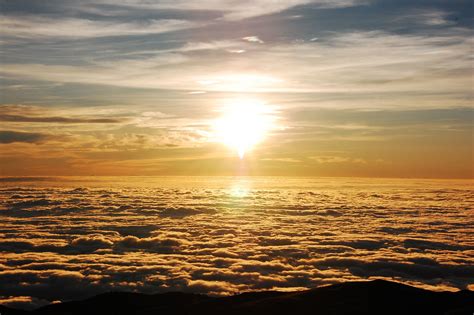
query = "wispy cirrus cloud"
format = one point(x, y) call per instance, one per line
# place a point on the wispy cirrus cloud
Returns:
point(37, 27)
point(338, 64)
point(232, 10)
point(124, 23)
point(430, 17)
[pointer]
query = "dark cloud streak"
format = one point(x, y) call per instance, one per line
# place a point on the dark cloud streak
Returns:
point(57, 119)
point(8, 136)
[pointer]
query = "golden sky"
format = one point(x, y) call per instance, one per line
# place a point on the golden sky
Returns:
point(300, 87)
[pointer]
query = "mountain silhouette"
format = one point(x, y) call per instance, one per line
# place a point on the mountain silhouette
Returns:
point(369, 297)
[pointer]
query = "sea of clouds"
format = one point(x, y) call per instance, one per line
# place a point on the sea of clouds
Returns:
point(70, 238)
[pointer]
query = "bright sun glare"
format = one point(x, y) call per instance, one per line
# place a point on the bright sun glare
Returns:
point(243, 124)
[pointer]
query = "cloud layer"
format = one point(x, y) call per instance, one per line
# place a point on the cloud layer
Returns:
point(63, 240)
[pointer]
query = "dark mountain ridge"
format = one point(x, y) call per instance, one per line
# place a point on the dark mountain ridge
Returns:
point(368, 297)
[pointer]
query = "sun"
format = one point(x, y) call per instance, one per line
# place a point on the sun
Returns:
point(243, 124)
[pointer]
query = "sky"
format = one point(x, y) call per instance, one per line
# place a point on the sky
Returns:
point(347, 88)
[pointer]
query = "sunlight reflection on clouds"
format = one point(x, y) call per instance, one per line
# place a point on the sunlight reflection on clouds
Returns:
point(66, 239)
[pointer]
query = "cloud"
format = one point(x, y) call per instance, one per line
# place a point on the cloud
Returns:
point(34, 27)
point(253, 39)
point(359, 244)
point(430, 245)
point(336, 159)
point(213, 287)
point(126, 18)
point(42, 284)
point(284, 160)
point(67, 120)
point(443, 272)
point(9, 136)
point(101, 238)
point(182, 211)
point(427, 17)
point(91, 242)
point(404, 63)
point(23, 302)
point(211, 45)
point(155, 244)
point(233, 11)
